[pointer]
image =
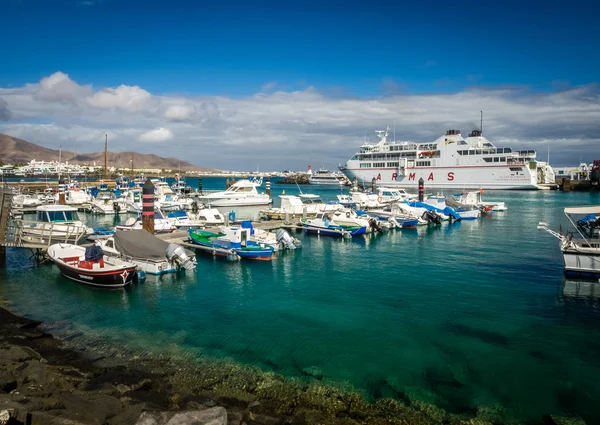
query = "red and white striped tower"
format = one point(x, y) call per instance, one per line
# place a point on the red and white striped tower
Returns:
point(148, 207)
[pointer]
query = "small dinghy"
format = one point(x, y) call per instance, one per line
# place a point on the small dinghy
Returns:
point(88, 266)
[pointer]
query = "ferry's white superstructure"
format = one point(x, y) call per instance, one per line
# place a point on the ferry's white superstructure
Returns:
point(451, 162)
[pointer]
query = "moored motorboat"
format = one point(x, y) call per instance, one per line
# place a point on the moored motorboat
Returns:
point(55, 223)
point(323, 225)
point(234, 238)
point(88, 266)
point(581, 252)
point(161, 224)
point(149, 253)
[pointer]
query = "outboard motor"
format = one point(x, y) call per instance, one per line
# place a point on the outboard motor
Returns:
point(375, 225)
point(284, 239)
point(194, 206)
point(116, 207)
point(177, 254)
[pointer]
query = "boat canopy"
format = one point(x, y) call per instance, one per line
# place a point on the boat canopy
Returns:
point(583, 210)
point(141, 245)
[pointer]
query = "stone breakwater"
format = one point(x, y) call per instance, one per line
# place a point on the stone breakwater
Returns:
point(43, 382)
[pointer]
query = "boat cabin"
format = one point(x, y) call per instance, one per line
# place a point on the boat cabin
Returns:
point(56, 214)
point(237, 236)
point(308, 199)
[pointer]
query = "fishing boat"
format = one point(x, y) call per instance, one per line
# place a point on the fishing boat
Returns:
point(466, 212)
point(450, 161)
point(581, 253)
point(323, 177)
point(241, 193)
point(323, 225)
point(232, 238)
point(149, 253)
point(88, 266)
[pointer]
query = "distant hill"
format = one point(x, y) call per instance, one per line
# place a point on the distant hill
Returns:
point(18, 151)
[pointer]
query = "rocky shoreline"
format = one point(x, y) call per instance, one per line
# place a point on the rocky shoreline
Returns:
point(42, 381)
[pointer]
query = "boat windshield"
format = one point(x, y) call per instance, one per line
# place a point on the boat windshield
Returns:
point(315, 200)
point(57, 216)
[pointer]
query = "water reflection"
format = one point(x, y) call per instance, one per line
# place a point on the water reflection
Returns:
point(582, 290)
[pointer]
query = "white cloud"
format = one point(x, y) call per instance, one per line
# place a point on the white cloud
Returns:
point(287, 130)
point(58, 87)
point(179, 112)
point(126, 98)
point(157, 135)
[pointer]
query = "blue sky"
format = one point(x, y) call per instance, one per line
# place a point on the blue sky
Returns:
point(234, 50)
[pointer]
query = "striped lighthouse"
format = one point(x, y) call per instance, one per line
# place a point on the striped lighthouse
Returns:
point(148, 207)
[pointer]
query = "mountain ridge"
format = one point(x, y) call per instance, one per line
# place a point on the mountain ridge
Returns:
point(18, 151)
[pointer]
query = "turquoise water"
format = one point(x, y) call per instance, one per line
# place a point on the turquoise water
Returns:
point(472, 315)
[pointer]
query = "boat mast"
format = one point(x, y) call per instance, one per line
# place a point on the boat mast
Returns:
point(481, 123)
point(131, 165)
point(59, 161)
point(105, 153)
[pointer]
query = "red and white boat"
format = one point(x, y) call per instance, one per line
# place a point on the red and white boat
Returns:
point(88, 266)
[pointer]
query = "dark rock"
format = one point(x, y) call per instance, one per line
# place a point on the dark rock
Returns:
point(7, 381)
point(128, 416)
point(265, 420)
point(254, 403)
point(122, 389)
point(143, 385)
point(15, 354)
point(313, 372)
point(91, 408)
point(562, 420)
point(212, 416)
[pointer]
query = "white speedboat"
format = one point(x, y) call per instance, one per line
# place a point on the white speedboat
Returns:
point(104, 203)
point(348, 218)
point(241, 193)
point(161, 224)
point(475, 198)
point(26, 201)
point(149, 253)
point(305, 205)
point(58, 223)
point(133, 201)
point(581, 253)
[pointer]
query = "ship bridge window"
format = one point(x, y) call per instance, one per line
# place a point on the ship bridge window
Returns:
point(462, 142)
point(365, 165)
point(354, 158)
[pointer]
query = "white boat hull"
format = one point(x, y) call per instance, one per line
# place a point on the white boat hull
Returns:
point(473, 177)
point(582, 263)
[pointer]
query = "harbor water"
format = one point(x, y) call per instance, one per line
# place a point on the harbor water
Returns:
point(472, 316)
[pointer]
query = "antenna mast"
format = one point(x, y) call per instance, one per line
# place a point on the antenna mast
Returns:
point(481, 123)
point(105, 153)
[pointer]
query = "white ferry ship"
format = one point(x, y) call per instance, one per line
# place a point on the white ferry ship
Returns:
point(451, 162)
point(325, 178)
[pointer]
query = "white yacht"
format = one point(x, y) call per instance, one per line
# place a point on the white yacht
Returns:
point(450, 161)
point(324, 177)
point(241, 193)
